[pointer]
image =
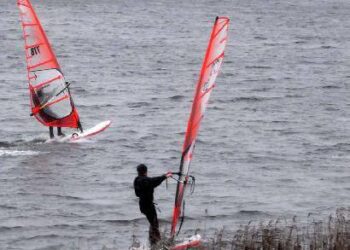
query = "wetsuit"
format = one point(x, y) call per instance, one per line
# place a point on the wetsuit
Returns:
point(144, 188)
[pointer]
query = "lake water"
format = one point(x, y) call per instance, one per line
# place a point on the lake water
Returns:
point(275, 140)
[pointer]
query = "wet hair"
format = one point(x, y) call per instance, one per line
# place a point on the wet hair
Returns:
point(141, 169)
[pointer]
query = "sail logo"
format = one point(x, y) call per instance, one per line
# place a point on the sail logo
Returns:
point(35, 51)
point(213, 73)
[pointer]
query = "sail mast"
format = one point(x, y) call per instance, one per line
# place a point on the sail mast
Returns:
point(209, 71)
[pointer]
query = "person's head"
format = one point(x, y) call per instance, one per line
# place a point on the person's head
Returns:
point(142, 170)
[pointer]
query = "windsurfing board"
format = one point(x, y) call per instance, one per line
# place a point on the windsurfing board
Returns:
point(76, 136)
point(190, 243)
point(194, 242)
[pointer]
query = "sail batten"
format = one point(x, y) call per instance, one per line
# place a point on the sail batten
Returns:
point(39, 64)
point(45, 78)
point(33, 45)
point(209, 71)
point(40, 85)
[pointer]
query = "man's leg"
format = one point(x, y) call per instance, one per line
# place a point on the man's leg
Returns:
point(154, 234)
point(80, 127)
point(59, 131)
point(51, 132)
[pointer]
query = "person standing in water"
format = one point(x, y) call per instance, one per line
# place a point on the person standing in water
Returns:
point(59, 132)
point(59, 129)
point(144, 188)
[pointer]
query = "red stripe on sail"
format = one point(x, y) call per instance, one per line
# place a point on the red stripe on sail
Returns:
point(36, 109)
point(46, 82)
point(214, 60)
point(207, 91)
point(223, 40)
point(23, 4)
point(39, 64)
point(223, 26)
point(58, 100)
point(70, 121)
point(32, 46)
point(29, 24)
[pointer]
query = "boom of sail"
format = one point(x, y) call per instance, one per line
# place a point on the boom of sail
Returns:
point(210, 69)
point(51, 102)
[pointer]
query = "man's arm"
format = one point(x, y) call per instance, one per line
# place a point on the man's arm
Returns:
point(156, 181)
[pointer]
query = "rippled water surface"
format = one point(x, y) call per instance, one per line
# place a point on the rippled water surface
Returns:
point(275, 140)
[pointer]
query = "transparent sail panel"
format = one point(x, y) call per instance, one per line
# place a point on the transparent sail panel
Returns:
point(51, 92)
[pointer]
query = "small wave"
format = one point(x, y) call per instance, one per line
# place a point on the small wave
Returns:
point(7, 207)
point(251, 212)
point(263, 89)
point(327, 47)
point(48, 236)
point(4, 228)
point(4, 98)
point(22, 142)
point(330, 87)
point(137, 104)
point(176, 97)
point(286, 180)
point(331, 109)
point(258, 67)
point(260, 38)
point(217, 108)
point(12, 57)
point(247, 99)
point(29, 141)
point(68, 197)
point(4, 152)
point(96, 106)
point(294, 96)
point(280, 121)
point(149, 137)
point(67, 140)
point(122, 222)
point(341, 145)
point(160, 69)
point(4, 144)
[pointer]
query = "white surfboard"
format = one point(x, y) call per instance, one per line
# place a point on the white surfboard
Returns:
point(190, 243)
point(194, 242)
point(76, 136)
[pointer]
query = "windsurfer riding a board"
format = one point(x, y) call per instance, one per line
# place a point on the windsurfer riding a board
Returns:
point(144, 188)
point(37, 95)
point(51, 101)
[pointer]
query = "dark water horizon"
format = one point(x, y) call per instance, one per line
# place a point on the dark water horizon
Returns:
point(274, 141)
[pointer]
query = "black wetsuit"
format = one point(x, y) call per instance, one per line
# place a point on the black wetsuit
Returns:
point(144, 188)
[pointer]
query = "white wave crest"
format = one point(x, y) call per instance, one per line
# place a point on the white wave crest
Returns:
point(6, 152)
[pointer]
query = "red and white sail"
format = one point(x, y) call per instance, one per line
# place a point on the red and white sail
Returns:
point(51, 101)
point(210, 69)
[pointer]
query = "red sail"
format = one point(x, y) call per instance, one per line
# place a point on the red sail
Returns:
point(210, 69)
point(51, 101)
